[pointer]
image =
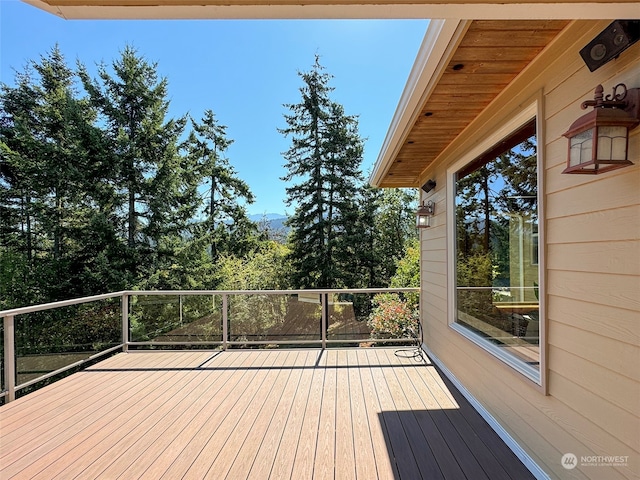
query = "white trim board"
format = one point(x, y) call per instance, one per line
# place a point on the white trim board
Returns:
point(472, 11)
point(514, 446)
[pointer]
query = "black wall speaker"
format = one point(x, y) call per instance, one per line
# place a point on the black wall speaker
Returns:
point(430, 185)
point(612, 41)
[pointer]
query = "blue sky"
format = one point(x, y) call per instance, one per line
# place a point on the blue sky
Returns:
point(244, 70)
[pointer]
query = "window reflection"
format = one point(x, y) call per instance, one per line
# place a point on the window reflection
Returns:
point(497, 273)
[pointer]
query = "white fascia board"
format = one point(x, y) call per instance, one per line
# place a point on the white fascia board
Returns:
point(46, 7)
point(440, 40)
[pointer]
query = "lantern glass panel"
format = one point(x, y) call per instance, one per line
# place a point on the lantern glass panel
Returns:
point(581, 150)
point(423, 221)
point(612, 143)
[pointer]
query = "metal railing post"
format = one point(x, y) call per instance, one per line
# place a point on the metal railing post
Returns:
point(180, 301)
point(324, 319)
point(225, 322)
point(10, 357)
point(125, 322)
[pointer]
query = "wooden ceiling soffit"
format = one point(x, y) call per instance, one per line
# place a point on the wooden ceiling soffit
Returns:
point(489, 57)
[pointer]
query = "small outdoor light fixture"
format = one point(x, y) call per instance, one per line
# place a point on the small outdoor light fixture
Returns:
point(599, 140)
point(424, 214)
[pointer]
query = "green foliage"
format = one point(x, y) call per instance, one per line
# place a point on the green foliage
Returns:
point(395, 227)
point(266, 269)
point(14, 287)
point(100, 190)
point(177, 318)
point(408, 271)
point(475, 270)
point(324, 157)
point(77, 328)
point(392, 317)
point(408, 267)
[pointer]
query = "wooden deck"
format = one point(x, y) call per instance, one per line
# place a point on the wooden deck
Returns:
point(296, 414)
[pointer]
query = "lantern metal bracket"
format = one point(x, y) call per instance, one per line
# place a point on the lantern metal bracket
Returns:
point(621, 97)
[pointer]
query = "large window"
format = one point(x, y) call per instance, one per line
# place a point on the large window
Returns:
point(496, 254)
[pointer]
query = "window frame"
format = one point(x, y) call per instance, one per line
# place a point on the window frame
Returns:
point(532, 110)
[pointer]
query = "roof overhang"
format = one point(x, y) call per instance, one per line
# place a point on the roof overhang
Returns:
point(299, 9)
point(440, 41)
point(461, 68)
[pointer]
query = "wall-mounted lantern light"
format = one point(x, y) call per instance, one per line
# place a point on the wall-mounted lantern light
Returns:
point(424, 214)
point(599, 140)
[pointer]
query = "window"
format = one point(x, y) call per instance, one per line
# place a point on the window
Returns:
point(495, 264)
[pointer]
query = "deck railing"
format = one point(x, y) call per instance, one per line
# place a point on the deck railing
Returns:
point(42, 341)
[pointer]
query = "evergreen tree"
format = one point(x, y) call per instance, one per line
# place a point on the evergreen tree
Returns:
point(157, 187)
point(226, 224)
point(51, 173)
point(133, 104)
point(325, 157)
point(18, 157)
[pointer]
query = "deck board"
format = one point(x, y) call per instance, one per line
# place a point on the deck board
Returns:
point(365, 466)
point(423, 456)
point(385, 464)
point(161, 452)
point(291, 413)
point(423, 406)
point(254, 438)
point(282, 465)
point(150, 402)
point(197, 437)
point(226, 433)
point(260, 464)
point(398, 442)
point(324, 463)
point(68, 418)
point(304, 453)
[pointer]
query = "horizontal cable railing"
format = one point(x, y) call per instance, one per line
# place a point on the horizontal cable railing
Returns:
point(42, 341)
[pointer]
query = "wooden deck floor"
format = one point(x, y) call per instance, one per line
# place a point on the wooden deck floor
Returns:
point(281, 414)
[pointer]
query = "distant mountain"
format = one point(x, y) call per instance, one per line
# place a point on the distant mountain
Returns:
point(269, 216)
point(275, 223)
point(278, 224)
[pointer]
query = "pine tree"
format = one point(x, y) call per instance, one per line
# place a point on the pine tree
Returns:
point(133, 104)
point(18, 157)
point(17, 216)
point(226, 222)
point(52, 171)
point(156, 184)
point(325, 157)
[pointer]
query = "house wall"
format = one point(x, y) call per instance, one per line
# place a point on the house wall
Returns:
point(589, 403)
